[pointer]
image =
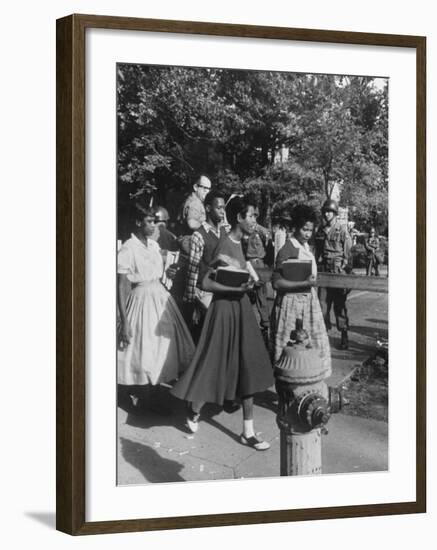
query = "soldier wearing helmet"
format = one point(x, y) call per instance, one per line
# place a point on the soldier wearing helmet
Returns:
point(161, 215)
point(330, 205)
point(164, 237)
point(333, 245)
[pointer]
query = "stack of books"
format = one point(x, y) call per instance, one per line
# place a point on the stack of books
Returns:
point(231, 276)
point(171, 259)
point(296, 270)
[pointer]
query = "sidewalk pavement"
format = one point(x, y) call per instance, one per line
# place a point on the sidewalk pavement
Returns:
point(157, 447)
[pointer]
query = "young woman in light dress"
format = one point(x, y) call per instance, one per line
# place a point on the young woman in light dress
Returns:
point(155, 344)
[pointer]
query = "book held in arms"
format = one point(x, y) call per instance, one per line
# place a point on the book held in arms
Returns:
point(231, 276)
point(296, 270)
point(171, 259)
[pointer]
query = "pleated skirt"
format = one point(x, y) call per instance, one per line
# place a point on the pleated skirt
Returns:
point(161, 347)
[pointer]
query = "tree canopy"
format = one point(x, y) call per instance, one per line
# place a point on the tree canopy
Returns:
point(280, 136)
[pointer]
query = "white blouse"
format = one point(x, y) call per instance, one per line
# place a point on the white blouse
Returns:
point(139, 262)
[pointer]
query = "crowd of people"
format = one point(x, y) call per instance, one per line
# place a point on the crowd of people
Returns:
point(212, 340)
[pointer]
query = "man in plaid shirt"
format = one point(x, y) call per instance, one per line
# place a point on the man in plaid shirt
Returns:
point(203, 244)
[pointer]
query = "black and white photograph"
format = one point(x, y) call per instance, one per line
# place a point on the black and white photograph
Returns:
point(218, 287)
point(252, 274)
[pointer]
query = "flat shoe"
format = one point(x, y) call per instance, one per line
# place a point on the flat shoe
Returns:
point(254, 442)
point(193, 422)
point(231, 406)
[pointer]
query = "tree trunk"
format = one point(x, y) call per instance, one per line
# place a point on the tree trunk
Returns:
point(264, 154)
point(268, 211)
point(328, 190)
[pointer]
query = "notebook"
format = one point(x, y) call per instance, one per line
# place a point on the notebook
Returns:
point(171, 259)
point(296, 270)
point(231, 276)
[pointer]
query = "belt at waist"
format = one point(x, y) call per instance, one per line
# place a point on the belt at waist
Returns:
point(300, 291)
point(142, 284)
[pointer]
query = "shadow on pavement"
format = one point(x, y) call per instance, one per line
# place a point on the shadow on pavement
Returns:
point(153, 467)
point(370, 332)
point(208, 417)
point(166, 410)
point(160, 408)
point(355, 348)
point(267, 400)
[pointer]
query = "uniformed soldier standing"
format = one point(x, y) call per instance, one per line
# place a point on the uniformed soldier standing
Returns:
point(255, 249)
point(371, 245)
point(333, 245)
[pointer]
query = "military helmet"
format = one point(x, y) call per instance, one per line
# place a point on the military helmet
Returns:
point(330, 205)
point(161, 214)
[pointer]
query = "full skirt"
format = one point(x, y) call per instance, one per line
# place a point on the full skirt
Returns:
point(231, 360)
point(305, 306)
point(161, 346)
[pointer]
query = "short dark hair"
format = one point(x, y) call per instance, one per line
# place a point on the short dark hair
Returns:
point(212, 196)
point(198, 177)
point(301, 214)
point(237, 205)
point(142, 211)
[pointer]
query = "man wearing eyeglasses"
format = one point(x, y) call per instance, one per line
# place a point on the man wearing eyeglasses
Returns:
point(193, 212)
point(192, 217)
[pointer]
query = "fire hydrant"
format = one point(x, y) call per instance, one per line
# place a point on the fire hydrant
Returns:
point(305, 406)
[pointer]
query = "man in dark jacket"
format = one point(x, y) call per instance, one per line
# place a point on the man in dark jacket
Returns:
point(255, 248)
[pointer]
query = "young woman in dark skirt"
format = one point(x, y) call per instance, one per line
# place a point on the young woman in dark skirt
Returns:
point(231, 361)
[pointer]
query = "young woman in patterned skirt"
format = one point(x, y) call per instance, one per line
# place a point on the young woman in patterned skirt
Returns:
point(298, 300)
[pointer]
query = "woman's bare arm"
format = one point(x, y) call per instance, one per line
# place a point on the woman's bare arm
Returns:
point(123, 287)
point(210, 285)
point(284, 285)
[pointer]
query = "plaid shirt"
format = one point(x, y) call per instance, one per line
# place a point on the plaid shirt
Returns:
point(197, 246)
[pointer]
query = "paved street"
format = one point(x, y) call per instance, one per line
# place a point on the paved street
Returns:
point(156, 447)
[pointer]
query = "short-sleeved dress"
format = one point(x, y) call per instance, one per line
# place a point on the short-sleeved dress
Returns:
point(161, 347)
point(231, 360)
point(304, 305)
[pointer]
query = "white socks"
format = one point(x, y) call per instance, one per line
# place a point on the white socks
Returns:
point(248, 430)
